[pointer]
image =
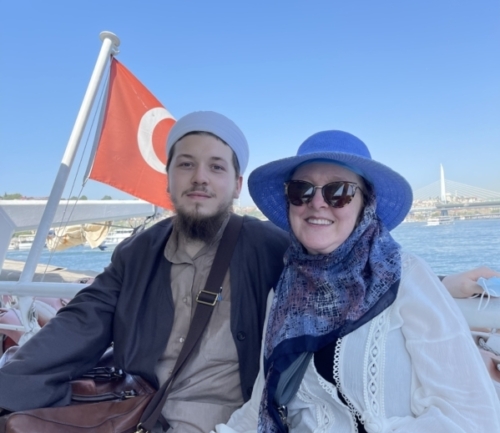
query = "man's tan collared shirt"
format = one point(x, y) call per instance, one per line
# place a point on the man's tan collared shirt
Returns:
point(208, 389)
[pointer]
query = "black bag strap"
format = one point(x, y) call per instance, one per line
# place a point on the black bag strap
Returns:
point(206, 300)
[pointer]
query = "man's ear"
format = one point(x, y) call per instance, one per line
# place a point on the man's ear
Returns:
point(239, 184)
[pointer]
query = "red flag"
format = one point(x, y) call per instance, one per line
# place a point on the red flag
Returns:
point(131, 151)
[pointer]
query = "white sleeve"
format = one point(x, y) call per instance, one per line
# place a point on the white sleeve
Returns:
point(245, 418)
point(452, 391)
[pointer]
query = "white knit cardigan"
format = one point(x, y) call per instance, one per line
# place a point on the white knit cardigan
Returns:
point(414, 368)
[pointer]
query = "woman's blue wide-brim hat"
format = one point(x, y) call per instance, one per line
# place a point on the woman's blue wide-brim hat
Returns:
point(393, 192)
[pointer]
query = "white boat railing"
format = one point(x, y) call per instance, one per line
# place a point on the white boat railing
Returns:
point(45, 290)
point(478, 315)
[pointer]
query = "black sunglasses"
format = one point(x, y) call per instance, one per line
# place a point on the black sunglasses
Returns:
point(336, 194)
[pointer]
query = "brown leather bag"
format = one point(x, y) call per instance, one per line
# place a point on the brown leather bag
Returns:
point(105, 400)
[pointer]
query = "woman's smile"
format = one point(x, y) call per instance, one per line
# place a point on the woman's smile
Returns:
point(319, 221)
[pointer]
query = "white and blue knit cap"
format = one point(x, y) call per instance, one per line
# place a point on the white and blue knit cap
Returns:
point(215, 123)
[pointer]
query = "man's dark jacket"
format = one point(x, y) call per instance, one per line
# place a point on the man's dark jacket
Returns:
point(131, 305)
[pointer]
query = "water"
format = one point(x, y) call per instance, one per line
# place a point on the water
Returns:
point(80, 258)
point(448, 248)
point(454, 247)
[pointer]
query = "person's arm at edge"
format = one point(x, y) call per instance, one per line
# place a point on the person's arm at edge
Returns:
point(464, 284)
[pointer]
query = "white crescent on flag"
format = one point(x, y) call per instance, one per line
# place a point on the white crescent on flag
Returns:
point(147, 125)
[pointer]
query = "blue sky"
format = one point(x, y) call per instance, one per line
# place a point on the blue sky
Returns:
point(418, 81)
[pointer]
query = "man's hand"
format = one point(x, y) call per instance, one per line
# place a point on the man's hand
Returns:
point(464, 285)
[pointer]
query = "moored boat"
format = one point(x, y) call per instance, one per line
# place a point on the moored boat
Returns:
point(25, 242)
point(437, 221)
point(116, 236)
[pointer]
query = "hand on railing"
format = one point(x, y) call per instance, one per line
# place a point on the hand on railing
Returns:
point(464, 284)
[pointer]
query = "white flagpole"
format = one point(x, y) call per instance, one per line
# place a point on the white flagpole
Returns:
point(110, 43)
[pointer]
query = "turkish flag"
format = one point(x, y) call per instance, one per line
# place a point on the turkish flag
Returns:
point(131, 153)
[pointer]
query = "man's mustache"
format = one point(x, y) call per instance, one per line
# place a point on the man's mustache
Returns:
point(199, 188)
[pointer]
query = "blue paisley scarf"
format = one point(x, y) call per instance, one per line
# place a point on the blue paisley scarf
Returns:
point(320, 298)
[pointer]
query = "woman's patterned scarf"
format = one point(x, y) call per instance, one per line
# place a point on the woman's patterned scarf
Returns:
point(320, 298)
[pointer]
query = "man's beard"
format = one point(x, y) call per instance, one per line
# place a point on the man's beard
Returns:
point(198, 227)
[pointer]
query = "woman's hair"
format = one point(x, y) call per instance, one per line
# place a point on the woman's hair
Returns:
point(368, 191)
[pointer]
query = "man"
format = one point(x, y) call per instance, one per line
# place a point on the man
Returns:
point(153, 278)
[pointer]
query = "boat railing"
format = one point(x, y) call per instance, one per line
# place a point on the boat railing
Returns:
point(40, 289)
point(477, 314)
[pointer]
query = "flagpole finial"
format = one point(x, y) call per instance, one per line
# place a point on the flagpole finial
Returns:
point(111, 36)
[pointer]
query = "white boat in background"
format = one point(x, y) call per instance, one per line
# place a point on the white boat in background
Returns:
point(116, 236)
point(438, 221)
point(25, 242)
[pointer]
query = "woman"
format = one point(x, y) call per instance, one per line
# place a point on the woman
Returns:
point(375, 340)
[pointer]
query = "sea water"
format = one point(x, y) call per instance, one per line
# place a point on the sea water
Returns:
point(450, 248)
point(456, 247)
